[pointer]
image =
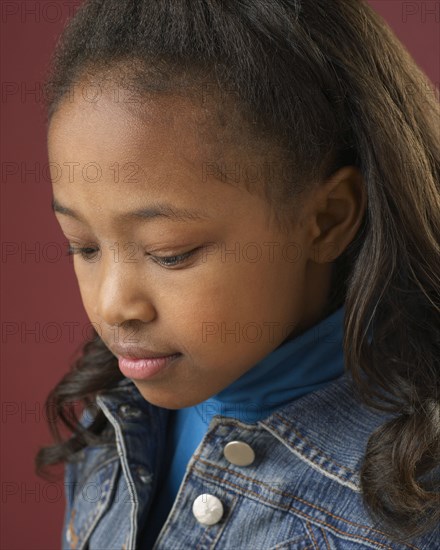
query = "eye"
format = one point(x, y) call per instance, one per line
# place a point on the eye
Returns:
point(171, 261)
point(93, 253)
point(89, 253)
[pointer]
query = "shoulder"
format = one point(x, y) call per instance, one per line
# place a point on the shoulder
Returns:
point(330, 428)
point(322, 437)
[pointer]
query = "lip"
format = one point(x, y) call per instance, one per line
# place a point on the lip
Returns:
point(145, 368)
point(137, 352)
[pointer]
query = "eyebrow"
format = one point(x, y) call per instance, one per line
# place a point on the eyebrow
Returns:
point(159, 210)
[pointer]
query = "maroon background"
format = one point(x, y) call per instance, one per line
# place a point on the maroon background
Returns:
point(38, 286)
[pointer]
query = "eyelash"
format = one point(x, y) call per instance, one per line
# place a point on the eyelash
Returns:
point(87, 252)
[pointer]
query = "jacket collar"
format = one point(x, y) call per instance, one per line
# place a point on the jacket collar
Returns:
point(328, 428)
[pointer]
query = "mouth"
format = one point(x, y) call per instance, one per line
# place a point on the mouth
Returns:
point(141, 363)
point(136, 352)
point(145, 367)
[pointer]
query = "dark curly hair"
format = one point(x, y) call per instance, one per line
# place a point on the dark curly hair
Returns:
point(330, 82)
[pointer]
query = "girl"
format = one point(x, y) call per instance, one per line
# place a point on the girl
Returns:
point(251, 193)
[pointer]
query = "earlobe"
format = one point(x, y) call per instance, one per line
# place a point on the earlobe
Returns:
point(340, 206)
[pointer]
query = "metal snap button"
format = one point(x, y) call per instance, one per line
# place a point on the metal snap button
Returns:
point(239, 453)
point(143, 474)
point(128, 412)
point(207, 509)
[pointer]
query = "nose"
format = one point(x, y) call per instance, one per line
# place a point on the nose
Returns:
point(122, 295)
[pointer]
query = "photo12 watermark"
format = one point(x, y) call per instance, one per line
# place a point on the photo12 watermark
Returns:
point(421, 11)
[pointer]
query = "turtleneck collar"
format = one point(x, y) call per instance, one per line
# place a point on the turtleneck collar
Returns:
point(298, 366)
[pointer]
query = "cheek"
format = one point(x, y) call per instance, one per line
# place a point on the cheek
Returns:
point(86, 288)
point(244, 297)
point(188, 308)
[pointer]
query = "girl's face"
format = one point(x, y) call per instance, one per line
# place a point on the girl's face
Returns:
point(238, 286)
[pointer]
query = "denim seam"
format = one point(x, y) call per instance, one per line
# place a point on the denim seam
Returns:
point(81, 536)
point(300, 512)
point(174, 506)
point(86, 533)
point(339, 478)
point(210, 436)
point(126, 470)
point(296, 540)
point(204, 537)
point(96, 470)
point(324, 536)
point(308, 442)
point(312, 536)
point(220, 531)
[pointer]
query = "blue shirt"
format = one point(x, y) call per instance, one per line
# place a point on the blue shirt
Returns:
point(296, 367)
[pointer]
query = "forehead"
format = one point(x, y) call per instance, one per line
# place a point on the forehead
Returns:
point(163, 137)
point(109, 121)
point(163, 148)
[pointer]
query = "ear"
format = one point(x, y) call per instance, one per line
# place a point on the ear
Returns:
point(337, 212)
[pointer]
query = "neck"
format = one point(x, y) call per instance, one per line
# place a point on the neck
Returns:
point(301, 364)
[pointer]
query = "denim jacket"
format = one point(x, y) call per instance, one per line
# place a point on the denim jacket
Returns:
point(301, 490)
